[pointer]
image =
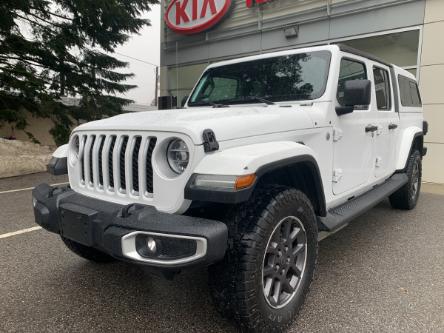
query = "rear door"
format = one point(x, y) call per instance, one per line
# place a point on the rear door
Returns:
point(387, 121)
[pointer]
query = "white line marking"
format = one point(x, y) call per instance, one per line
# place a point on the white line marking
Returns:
point(29, 188)
point(19, 232)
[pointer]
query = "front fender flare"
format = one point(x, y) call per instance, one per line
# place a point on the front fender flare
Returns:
point(259, 159)
point(249, 159)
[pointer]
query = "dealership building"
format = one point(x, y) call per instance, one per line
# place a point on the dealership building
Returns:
point(408, 33)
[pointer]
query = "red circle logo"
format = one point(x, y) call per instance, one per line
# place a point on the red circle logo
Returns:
point(193, 16)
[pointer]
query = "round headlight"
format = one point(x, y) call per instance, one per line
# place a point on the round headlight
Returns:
point(178, 155)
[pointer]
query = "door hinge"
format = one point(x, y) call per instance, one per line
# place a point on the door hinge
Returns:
point(337, 134)
point(378, 162)
point(337, 175)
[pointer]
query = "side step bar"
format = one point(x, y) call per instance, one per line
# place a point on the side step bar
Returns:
point(340, 216)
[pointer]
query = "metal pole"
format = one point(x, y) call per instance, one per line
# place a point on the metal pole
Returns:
point(156, 87)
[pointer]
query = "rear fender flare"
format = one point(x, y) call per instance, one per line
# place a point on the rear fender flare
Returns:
point(406, 145)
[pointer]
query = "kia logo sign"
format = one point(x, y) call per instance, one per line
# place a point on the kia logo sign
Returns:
point(193, 16)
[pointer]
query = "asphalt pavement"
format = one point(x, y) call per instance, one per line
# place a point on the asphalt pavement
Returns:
point(383, 273)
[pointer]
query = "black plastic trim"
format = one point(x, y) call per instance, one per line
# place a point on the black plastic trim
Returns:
point(351, 50)
point(340, 216)
point(58, 166)
point(235, 197)
point(425, 127)
point(101, 224)
point(417, 135)
point(209, 141)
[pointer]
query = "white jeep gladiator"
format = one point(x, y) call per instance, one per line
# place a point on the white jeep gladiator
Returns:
point(269, 154)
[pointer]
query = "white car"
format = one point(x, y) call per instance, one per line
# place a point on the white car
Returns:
point(270, 154)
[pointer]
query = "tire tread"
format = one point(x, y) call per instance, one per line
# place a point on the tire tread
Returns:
point(233, 281)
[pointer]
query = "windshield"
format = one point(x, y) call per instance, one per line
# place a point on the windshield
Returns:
point(293, 77)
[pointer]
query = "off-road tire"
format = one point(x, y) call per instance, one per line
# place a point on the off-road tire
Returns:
point(86, 252)
point(236, 283)
point(407, 196)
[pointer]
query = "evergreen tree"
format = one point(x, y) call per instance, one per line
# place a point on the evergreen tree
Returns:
point(51, 49)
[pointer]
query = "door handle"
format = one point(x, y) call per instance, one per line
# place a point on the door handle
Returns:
point(393, 126)
point(371, 128)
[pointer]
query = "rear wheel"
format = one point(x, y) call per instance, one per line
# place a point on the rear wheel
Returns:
point(407, 197)
point(86, 252)
point(264, 278)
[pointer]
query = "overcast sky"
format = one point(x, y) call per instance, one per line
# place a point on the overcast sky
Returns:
point(146, 48)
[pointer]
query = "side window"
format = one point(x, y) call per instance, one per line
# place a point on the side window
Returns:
point(350, 70)
point(409, 92)
point(382, 89)
point(414, 92)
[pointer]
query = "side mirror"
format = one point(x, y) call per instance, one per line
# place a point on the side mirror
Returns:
point(356, 92)
point(184, 101)
point(166, 102)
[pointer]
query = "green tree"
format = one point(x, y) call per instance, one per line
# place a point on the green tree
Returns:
point(51, 49)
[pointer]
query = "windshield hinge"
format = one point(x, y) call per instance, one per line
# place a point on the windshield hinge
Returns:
point(209, 141)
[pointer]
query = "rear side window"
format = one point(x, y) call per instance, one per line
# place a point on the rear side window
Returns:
point(350, 70)
point(382, 89)
point(409, 92)
point(414, 92)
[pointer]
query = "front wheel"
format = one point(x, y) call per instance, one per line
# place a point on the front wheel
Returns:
point(407, 196)
point(265, 277)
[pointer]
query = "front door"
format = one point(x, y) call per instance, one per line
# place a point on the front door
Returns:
point(353, 141)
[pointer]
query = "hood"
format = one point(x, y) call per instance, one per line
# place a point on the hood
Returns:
point(227, 123)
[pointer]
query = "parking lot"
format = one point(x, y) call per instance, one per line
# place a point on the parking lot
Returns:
point(383, 273)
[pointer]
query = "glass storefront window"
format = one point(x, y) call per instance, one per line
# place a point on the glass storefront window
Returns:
point(399, 48)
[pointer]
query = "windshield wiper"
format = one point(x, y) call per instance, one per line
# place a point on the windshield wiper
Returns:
point(259, 99)
point(218, 105)
point(213, 104)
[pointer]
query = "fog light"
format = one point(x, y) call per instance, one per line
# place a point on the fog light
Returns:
point(151, 245)
point(34, 202)
point(165, 247)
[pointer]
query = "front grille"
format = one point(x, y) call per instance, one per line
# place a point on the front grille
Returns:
point(102, 144)
point(135, 161)
point(91, 173)
point(122, 163)
point(110, 161)
point(149, 166)
point(117, 163)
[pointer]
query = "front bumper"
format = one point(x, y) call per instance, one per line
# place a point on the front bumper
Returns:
point(135, 233)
